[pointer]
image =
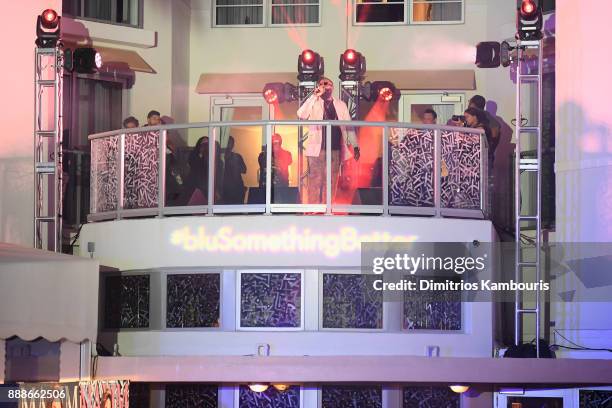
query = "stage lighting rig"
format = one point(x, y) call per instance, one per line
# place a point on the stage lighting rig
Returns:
point(488, 54)
point(310, 66)
point(529, 21)
point(352, 66)
point(47, 29)
point(384, 91)
point(83, 60)
point(277, 92)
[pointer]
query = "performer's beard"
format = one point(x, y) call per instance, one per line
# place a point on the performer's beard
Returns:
point(327, 94)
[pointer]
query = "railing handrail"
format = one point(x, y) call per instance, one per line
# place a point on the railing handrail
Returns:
point(354, 123)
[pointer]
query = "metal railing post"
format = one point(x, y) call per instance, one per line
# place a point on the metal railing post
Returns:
point(211, 169)
point(161, 168)
point(437, 172)
point(121, 175)
point(268, 130)
point(328, 170)
point(385, 170)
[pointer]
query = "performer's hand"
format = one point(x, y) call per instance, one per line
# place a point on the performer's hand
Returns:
point(356, 153)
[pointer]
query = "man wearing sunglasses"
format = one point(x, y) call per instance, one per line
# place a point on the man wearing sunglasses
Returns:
point(322, 105)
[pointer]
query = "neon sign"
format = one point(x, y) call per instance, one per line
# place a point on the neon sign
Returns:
point(289, 240)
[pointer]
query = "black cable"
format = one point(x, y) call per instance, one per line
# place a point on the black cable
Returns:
point(578, 346)
point(76, 237)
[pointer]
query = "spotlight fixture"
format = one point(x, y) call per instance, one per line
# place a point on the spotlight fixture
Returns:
point(258, 387)
point(488, 54)
point(380, 90)
point(505, 54)
point(281, 387)
point(529, 21)
point(277, 92)
point(459, 388)
point(352, 66)
point(47, 29)
point(310, 66)
point(84, 60)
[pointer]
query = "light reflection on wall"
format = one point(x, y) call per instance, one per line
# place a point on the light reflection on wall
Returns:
point(289, 240)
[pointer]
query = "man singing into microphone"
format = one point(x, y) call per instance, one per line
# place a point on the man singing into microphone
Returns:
point(321, 105)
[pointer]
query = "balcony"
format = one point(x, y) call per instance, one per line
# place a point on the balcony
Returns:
point(404, 169)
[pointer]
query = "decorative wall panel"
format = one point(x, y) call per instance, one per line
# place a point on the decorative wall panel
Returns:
point(430, 397)
point(271, 398)
point(140, 395)
point(141, 170)
point(461, 187)
point(104, 188)
point(342, 396)
point(192, 396)
point(350, 302)
point(411, 164)
point(126, 302)
point(432, 310)
point(270, 300)
point(595, 399)
point(193, 300)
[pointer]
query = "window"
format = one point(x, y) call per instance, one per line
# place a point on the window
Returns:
point(420, 11)
point(253, 12)
point(295, 12)
point(239, 12)
point(380, 11)
point(125, 12)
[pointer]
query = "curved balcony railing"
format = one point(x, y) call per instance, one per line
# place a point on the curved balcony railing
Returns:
point(404, 168)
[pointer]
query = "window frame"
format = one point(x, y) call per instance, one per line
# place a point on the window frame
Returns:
point(409, 16)
point(138, 25)
point(317, 24)
point(266, 17)
point(453, 22)
point(240, 272)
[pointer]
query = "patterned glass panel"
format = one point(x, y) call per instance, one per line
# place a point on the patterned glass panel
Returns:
point(343, 396)
point(430, 397)
point(140, 395)
point(432, 310)
point(270, 299)
point(104, 188)
point(460, 188)
point(141, 170)
point(193, 300)
point(350, 302)
point(192, 396)
point(271, 398)
point(595, 399)
point(411, 165)
point(127, 302)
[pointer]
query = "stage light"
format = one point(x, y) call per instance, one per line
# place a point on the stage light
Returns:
point(281, 387)
point(504, 54)
point(310, 66)
point(459, 388)
point(277, 92)
point(258, 387)
point(528, 7)
point(380, 90)
point(352, 66)
point(529, 21)
point(488, 54)
point(47, 29)
point(308, 56)
point(86, 60)
point(50, 19)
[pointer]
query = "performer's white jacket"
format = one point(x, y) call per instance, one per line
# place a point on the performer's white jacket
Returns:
point(312, 109)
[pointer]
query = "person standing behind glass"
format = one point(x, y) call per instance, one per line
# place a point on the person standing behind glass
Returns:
point(233, 185)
